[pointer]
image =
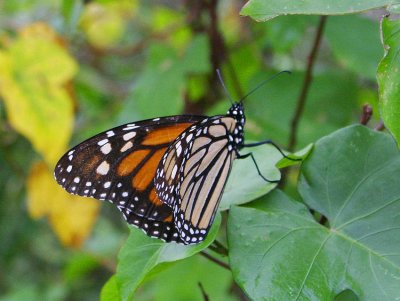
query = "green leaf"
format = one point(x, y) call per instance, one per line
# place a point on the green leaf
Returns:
point(140, 254)
point(297, 156)
point(110, 291)
point(279, 252)
point(180, 282)
point(287, 32)
point(244, 182)
point(262, 10)
point(71, 11)
point(389, 77)
point(358, 49)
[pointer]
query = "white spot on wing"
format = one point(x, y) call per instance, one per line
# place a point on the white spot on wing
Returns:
point(106, 148)
point(130, 127)
point(103, 168)
point(129, 136)
point(110, 133)
point(127, 146)
point(69, 168)
point(102, 142)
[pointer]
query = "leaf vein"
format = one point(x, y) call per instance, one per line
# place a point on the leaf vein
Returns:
point(311, 265)
point(359, 184)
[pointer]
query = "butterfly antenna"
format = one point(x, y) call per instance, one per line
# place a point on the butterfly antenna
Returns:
point(263, 83)
point(223, 86)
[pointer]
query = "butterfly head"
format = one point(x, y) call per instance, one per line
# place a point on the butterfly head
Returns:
point(236, 111)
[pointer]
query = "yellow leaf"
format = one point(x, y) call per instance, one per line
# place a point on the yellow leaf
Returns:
point(105, 23)
point(72, 217)
point(103, 27)
point(34, 72)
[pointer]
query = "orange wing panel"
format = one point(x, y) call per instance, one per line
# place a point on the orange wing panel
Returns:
point(128, 164)
point(154, 198)
point(148, 171)
point(165, 134)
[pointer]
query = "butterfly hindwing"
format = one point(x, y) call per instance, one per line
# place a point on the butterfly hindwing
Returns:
point(192, 175)
point(119, 165)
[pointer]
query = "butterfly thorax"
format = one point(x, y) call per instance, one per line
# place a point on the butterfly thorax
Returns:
point(236, 111)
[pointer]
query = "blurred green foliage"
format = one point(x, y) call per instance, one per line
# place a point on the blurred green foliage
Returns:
point(142, 59)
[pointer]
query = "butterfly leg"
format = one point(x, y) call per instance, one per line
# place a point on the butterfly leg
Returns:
point(255, 163)
point(274, 145)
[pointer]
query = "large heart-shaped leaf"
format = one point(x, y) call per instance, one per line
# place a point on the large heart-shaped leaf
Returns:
point(281, 253)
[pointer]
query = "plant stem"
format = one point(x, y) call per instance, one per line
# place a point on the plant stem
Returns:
point(366, 114)
point(202, 18)
point(306, 84)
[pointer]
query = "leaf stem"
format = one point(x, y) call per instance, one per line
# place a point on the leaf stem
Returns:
point(215, 260)
point(219, 248)
point(203, 292)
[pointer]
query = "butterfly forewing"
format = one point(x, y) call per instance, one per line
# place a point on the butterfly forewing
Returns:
point(192, 175)
point(119, 165)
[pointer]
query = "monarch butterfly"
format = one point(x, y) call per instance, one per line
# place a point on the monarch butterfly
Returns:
point(166, 175)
